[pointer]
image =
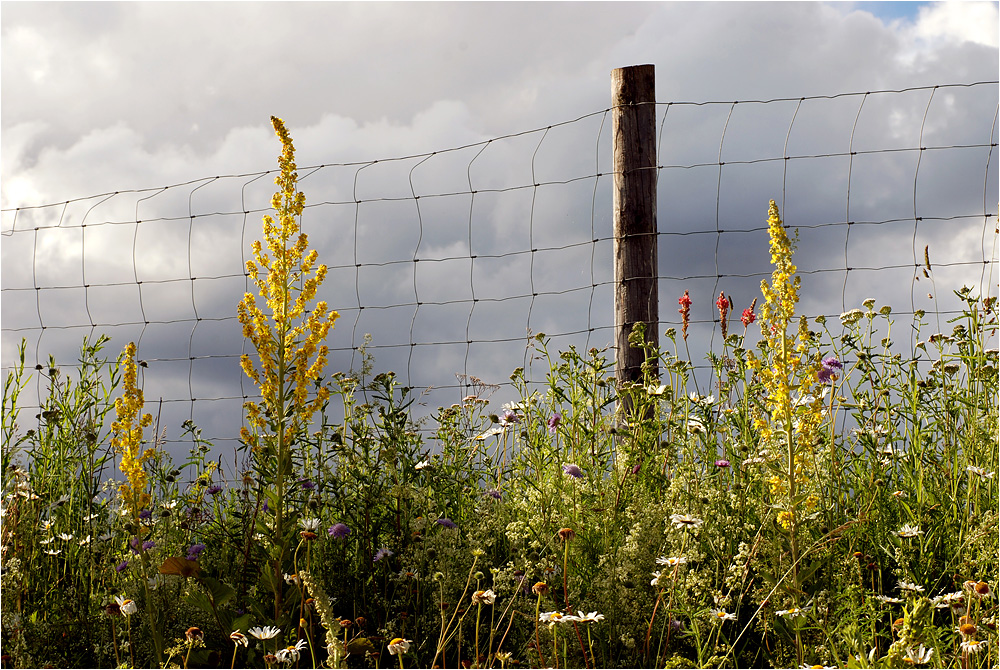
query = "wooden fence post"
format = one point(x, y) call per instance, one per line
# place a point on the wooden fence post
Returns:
point(633, 127)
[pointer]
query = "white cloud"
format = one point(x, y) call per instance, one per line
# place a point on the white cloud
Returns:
point(976, 22)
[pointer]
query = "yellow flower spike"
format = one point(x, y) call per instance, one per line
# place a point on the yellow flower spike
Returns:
point(126, 437)
point(287, 337)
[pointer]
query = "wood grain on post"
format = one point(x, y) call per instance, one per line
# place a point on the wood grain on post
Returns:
point(633, 124)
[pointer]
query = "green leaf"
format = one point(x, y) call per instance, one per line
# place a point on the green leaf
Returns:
point(220, 593)
point(200, 600)
point(241, 623)
point(360, 646)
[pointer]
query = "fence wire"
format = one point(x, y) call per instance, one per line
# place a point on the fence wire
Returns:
point(452, 259)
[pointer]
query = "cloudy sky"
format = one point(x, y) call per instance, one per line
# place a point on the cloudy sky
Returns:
point(99, 98)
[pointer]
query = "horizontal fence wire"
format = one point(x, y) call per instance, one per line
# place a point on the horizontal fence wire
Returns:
point(452, 259)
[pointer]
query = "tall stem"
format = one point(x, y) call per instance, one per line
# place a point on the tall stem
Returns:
point(793, 527)
point(279, 516)
point(538, 645)
point(131, 652)
point(479, 609)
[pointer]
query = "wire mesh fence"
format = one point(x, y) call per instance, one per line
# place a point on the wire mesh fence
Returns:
point(452, 259)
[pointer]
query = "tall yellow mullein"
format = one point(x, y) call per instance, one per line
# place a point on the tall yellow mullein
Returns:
point(792, 414)
point(289, 340)
point(126, 436)
point(788, 372)
point(776, 313)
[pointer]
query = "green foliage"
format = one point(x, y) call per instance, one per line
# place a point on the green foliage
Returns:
point(559, 503)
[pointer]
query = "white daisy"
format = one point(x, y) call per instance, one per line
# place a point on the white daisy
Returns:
point(920, 656)
point(889, 600)
point(265, 633)
point(553, 617)
point(985, 474)
point(592, 617)
point(681, 521)
point(486, 597)
point(671, 561)
point(793, 612)
point(972, 646)
point(909, 531)
point(291, 654)
point(945, 600)
point(399, 646)
point(722, 615)
point(126, 605)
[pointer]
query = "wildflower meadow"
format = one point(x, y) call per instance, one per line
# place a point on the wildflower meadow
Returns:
point(827, 502)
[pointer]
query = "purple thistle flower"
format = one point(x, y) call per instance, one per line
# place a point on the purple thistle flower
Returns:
point(722, 463)
point(307, 484)
point(145, 514)
point(446, 522)
point(573, 470)
point(382, 553)
point(214, 489)
point(340, 531)
point(554, 422)
point(494, 493)
point(828, 373)
point(194, 551)
point(147, 545)
point(135, 544)
point(121, 566)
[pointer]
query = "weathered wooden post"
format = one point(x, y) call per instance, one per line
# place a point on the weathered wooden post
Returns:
point(633, 126)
